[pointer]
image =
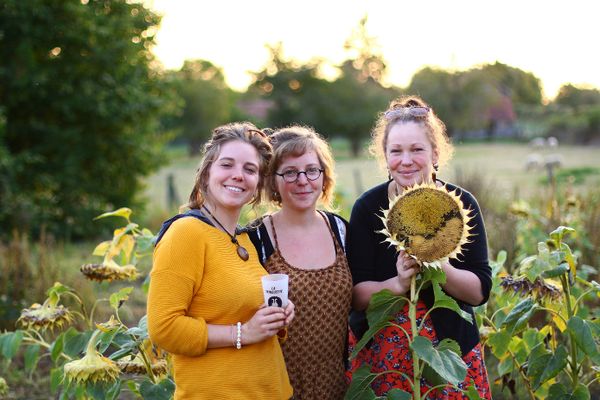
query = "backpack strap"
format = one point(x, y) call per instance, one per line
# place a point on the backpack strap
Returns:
point(190, 213)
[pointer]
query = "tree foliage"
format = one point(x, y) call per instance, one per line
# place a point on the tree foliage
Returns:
point(80, 102)
point(205, 101)
point(345, 107)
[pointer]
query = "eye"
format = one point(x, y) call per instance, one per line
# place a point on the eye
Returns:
point(251, 170)
point(290, 173)
point(312, 170)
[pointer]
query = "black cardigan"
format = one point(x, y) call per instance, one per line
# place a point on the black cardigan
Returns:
point(372, 260)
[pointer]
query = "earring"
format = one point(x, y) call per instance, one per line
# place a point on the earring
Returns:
point(434, 174)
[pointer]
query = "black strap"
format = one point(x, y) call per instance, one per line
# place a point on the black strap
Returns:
point(190, 213)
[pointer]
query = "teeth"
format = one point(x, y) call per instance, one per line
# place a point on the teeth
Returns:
point(234, 189)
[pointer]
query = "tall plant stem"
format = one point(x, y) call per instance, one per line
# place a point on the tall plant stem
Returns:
point(574, 367)
point(412, 314)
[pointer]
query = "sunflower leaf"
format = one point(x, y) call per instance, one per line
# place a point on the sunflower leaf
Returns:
point(442, 300)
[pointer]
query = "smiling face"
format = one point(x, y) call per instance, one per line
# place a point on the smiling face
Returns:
point(233, 176)
point(409, 154)
point(302, 194)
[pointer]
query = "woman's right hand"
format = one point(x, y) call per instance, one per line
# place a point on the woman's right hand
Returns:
point(265, 323)
point(407, 267)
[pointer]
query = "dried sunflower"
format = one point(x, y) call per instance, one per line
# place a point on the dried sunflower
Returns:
point(109, 271)
point(93, 367)
point(135, 365)
point(539, 289)
point(428, 222)
point(44, 316)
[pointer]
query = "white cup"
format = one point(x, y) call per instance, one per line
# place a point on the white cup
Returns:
point(275, 290)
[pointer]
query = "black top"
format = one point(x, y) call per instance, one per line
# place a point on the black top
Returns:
point(372, 260)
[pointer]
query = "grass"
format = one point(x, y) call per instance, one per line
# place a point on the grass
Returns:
point(502, 164)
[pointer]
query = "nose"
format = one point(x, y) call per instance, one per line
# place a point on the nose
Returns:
point(237, 174)
point(406, 158)
point(302, 178)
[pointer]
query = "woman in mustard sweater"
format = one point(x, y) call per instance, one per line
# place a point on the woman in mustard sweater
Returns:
point(205, 303)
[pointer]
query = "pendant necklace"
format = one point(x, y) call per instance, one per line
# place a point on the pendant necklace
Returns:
point(241, 251)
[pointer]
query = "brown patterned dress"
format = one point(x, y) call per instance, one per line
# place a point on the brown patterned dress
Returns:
point(315, 350)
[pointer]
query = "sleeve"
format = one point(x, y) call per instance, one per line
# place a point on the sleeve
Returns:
point(177, 272)
point(360, 243)
point(475, 253)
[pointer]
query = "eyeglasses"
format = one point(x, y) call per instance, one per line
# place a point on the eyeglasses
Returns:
point(413, 111)
point(291, 176)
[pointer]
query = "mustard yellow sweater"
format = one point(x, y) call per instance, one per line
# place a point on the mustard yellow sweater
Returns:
point(198, 279)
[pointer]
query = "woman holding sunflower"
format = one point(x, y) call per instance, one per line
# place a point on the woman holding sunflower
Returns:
point(411, 141)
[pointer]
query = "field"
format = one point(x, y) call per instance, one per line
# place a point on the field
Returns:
point(501, 165)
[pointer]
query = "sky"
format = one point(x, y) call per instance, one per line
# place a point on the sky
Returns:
point(558, 41)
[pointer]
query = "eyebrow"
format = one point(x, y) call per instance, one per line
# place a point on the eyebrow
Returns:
point(233, 160)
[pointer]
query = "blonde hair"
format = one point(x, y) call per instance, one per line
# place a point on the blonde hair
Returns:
point(434, 128)
point(244, 132)
point(294, 141)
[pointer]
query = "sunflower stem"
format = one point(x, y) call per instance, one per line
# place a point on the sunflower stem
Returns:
point(412, 313)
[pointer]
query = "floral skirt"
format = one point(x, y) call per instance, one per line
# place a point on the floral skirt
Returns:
point(389, 350)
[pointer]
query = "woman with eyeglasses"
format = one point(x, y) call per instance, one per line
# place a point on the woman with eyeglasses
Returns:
point(205, 303)
point(308, 245)
point(411, 141)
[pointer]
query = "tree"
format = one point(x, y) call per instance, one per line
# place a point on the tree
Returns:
point(574, 97)
point(80, 102)
point(206, 101)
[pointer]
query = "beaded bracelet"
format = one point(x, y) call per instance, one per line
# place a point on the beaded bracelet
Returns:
point(238, 339)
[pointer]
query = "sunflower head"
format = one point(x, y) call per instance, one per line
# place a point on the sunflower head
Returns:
point(93, 367)
point(44, 316)
point(428, 222)
point(109, 271)
point(539, 289)
point(135, 365)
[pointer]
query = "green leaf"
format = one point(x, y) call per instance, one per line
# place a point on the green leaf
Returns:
point(446, 363)
point(102, 248)
point(518, 316)
point(582, 333)
point(144, 243)
point(398, 394)
point(429, 373)
point(569, 257)
point(57, 347)
point(532, 338)
point(505, 366)
point(558, 271)
point(383, 306)
point(56, 378)
point(373, 329)
point(163, 390)
point(106, 339)
point(32, 356)
point(472, 393)
point(360, 388)
point(442, 300)
point(117, 299)
point(559, 233)
point(544, 365)
point(75, 341)
point(11, 341)
point(434, 275)
point(499, 263)
point(558, 391)
point(123, 212)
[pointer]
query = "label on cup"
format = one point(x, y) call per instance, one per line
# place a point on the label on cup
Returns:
point(275, 290)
